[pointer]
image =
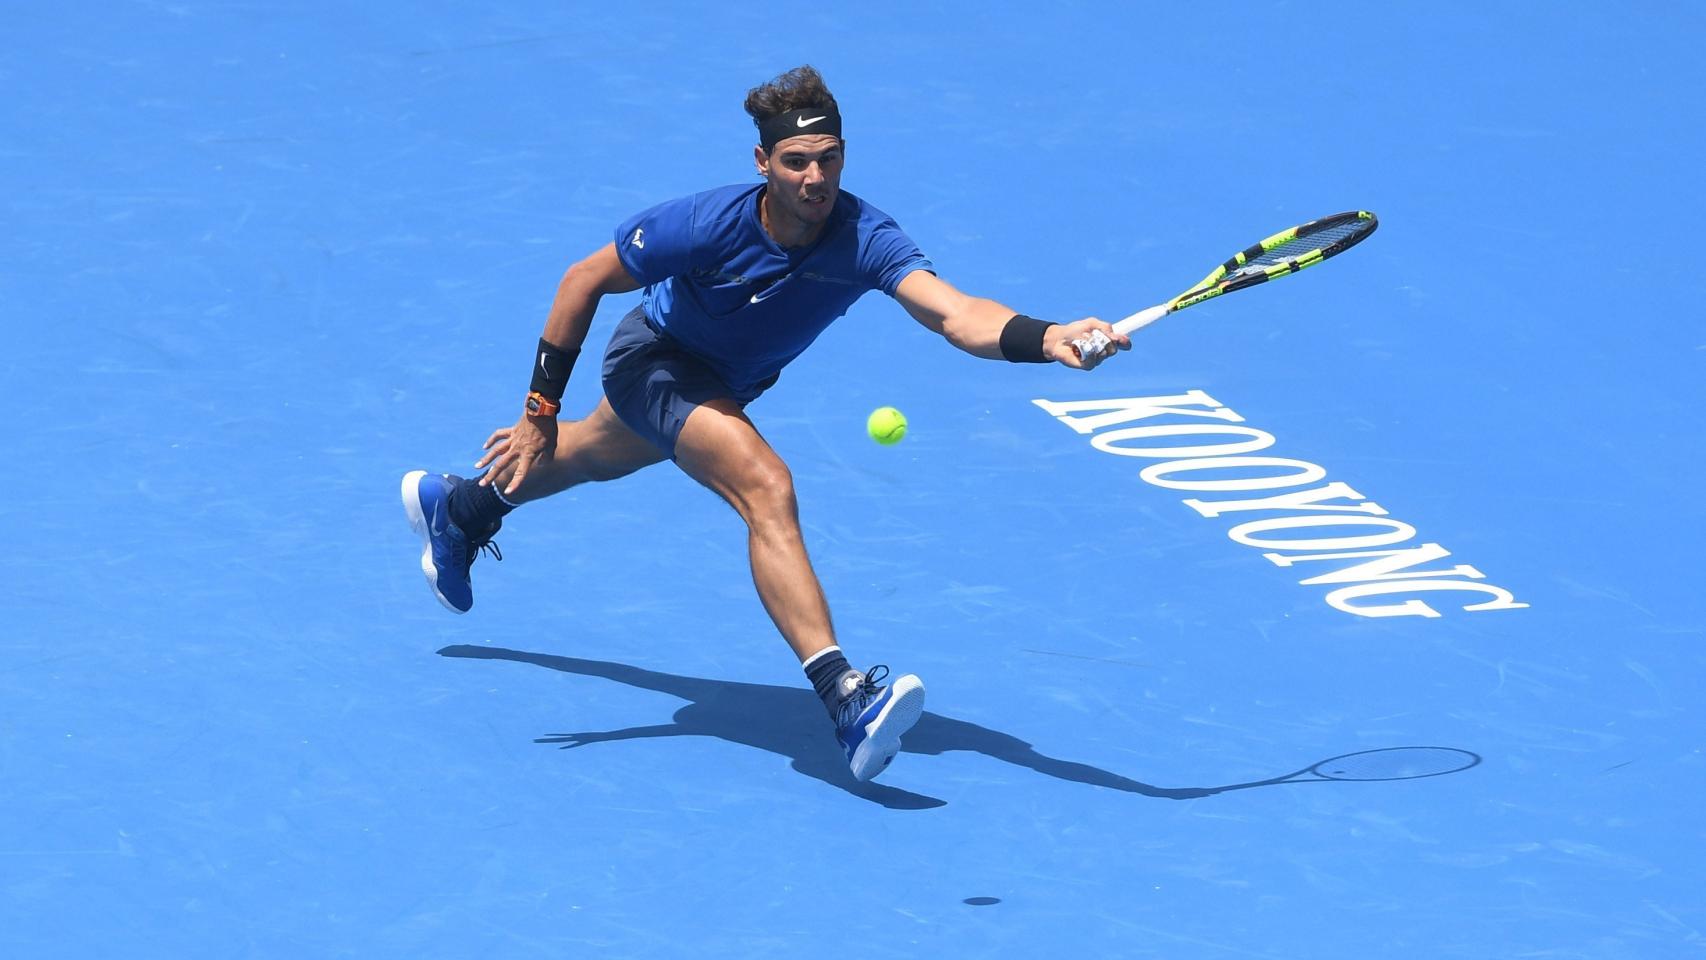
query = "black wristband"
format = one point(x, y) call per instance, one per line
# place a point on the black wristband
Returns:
point(551, 369)
point(1022, 339)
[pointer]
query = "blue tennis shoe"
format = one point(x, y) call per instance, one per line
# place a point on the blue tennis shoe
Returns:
point(873, 718)
point(447, 551)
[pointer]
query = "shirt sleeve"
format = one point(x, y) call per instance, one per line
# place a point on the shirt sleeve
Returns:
point(657, 244)
point(888, 255)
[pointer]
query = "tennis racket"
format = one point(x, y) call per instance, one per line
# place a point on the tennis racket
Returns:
point(1280, 255)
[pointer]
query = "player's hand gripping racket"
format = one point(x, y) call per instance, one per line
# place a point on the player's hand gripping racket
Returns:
point(1283, 253)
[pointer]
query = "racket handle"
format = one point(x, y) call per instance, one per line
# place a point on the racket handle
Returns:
point(1098, 341)
point(1143, 318)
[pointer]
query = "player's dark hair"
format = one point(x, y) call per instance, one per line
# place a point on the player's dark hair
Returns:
point(798, 89)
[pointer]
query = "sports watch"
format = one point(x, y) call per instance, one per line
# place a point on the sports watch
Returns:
point(539, 405)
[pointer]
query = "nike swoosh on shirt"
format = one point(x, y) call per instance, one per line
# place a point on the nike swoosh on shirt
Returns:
point(803, 122)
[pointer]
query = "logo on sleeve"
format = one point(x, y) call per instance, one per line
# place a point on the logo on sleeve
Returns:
point(638, 239)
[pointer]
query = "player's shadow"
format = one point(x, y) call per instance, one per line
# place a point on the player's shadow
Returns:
point(790, 722)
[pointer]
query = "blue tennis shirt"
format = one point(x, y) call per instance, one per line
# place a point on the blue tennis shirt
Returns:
point(720, 286)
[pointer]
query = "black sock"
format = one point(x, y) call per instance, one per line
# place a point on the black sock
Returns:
point(826, 671)
point(475, 508)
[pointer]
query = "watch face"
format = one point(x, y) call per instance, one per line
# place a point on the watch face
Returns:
point(532, 404)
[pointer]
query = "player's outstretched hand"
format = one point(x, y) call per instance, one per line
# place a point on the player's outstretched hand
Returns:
point(1058, 343)
point(512, 451)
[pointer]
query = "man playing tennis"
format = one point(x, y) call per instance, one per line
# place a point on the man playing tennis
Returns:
point(738, 281)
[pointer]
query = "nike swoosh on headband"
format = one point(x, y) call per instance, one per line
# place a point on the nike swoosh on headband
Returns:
point(803, 122)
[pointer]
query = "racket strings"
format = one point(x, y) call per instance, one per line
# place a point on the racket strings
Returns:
point(1298, 246)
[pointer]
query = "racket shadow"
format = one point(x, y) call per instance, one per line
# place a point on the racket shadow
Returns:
point(790, 722)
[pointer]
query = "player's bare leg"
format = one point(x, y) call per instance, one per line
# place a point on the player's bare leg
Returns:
point(600, 447)
point(720, 448)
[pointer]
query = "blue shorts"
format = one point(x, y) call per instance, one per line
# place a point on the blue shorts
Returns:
point(653, 383)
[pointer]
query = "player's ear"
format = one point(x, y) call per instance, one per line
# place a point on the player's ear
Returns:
point(761, 160)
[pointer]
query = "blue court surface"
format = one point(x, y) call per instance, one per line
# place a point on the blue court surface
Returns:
point(260, 259)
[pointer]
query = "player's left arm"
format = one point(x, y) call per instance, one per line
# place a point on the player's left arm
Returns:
point(975, 324)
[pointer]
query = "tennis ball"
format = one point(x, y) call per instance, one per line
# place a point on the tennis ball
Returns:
point(886, 425)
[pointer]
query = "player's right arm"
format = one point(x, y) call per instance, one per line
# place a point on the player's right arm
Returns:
point(512, 451)
point(578, 295)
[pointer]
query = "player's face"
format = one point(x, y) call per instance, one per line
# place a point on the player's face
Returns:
point(804, 175)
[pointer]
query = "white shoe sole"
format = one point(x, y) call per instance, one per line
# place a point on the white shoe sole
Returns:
point(905, 706)
point(419, 522)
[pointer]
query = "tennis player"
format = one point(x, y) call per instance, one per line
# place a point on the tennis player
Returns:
point(738, 281)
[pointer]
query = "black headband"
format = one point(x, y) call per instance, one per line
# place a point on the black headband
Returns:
point(798, 123)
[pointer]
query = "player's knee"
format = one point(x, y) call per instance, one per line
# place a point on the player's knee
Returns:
point(768, 492)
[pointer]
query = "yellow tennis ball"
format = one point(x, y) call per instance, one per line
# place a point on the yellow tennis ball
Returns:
point(886, 425)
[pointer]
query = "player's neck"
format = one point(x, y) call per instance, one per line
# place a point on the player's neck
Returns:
point(785, 230)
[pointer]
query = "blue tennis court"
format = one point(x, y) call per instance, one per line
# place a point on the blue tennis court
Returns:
point(261, 259)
